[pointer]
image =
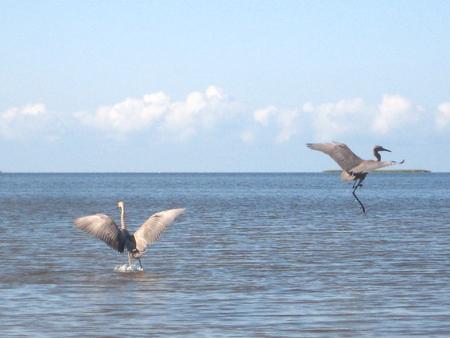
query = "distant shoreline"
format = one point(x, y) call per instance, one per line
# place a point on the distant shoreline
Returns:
point(388, 171)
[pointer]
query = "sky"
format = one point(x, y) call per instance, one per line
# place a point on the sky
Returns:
point(221, 86)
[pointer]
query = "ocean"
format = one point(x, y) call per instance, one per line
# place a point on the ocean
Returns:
point(254, 255)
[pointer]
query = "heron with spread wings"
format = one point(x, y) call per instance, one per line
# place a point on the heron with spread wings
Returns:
point(104, 228)
point(354, 168)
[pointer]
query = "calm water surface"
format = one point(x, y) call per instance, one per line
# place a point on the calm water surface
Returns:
point(255, 255)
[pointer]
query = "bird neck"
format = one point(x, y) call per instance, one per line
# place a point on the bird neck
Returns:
point(377, 155)
point(122, 218)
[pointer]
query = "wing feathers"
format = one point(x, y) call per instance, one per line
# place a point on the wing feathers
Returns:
point(150, 231)
point(370, 166)
point(339, 152)
point(102, 227)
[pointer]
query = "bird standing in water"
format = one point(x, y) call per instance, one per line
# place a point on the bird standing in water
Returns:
point(104, 228)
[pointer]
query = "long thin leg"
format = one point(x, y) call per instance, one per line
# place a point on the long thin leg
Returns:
point(353, 192)
point(357, 184)
point(140, 264)
point(130, 261)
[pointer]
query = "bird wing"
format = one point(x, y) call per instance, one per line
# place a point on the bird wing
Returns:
point(102, 227)
point(150, 231)
point(339, 152)
point(370, 166)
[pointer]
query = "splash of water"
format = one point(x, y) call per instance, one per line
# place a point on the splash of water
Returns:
point(128, 268)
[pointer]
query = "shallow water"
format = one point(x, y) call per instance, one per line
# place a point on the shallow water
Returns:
point(254, 255)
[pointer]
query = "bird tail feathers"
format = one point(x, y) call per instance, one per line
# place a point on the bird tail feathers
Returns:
point(346, 177)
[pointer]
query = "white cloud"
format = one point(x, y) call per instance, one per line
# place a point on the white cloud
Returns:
point(289, 123)
point(201, 112)
point(262, 115)
point(286, 120)
point(129, 115)
point(443, 116)
point(213, 114)
point(393, 112)
point(331, 120)
point(214, 91)
point(248, 137)
point(26, 122)
point(157, 99)
point(354, 116)
point(180, 119)
point(308, 107)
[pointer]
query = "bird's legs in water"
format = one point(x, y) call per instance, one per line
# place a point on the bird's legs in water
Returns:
point(356, 185)
point(130, 261)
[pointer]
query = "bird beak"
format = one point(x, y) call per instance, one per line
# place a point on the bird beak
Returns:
point(383, 149)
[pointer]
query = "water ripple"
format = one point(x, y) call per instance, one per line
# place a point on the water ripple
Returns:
point(255, 255)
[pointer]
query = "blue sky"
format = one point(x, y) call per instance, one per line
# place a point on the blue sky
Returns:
point(228, 86)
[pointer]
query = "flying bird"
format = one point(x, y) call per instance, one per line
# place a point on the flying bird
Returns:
point(104, 228)
point(354, 168)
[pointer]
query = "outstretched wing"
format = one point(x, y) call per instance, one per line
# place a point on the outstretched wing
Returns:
point(150, 231)
point(102, 227)
point(339, 152)
point(370, 166)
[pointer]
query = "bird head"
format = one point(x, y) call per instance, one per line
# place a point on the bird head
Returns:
point(379, 148)
point(120, 205)
point(376, 149)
